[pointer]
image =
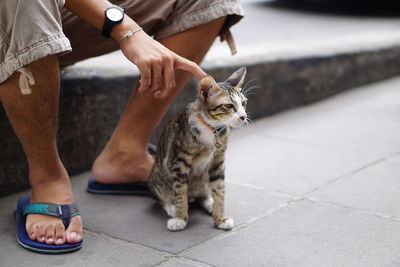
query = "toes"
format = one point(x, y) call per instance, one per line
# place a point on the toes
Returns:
point(50, 233)
point(32, 231)
point(74, 231)
point(60, 234)
point(41, 234)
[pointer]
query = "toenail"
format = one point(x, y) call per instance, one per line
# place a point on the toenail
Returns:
point(73, 235)
point(50, 240)
point(59, 241)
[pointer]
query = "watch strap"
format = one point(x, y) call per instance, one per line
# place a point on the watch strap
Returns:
point(107, 28)
point(109, 24)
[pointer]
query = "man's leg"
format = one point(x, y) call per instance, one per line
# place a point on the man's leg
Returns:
point(34, 120)
point(125, 157)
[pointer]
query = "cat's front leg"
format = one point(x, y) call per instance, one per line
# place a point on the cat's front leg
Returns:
point(179, 221)
point(181, 170)
point(218, 211)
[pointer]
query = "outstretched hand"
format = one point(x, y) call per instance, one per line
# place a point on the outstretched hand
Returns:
point(156, 64)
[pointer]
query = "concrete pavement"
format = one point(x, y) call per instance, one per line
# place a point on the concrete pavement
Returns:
point(314, 186)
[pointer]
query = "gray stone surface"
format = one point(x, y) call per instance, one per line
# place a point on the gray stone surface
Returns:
point(308, 234)
point(375, 189)
point(359, 123)
point(141, 217)
point(298, 198)
point(182, 262)
point(289, 166)
point(96, 252)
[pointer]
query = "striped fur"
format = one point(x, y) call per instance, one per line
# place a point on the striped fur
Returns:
point(191, 152)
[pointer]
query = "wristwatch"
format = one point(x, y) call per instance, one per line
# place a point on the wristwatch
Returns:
point(113, 16)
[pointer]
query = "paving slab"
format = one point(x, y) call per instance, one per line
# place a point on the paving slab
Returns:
point(362, 120)
point(308, 234)
point(182, 262)
point(96, 252)
point(374, 189)
point(288, 166)
point(141, 219)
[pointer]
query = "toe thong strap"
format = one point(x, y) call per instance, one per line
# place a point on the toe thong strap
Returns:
point(64, 212)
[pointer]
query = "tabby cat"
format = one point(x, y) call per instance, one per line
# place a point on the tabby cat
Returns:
point(190, 153)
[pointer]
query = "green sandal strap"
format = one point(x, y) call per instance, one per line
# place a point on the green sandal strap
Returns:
point(55, 210)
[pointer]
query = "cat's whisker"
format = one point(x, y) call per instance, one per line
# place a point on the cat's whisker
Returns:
point(248, 83)
point(249, 121)
point(249, 91)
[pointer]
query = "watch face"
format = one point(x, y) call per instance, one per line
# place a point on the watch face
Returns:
point(114, 14)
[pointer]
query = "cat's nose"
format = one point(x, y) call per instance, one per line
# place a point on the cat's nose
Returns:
point(242, 118)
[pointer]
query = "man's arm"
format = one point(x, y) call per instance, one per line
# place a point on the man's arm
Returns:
point(156, 63)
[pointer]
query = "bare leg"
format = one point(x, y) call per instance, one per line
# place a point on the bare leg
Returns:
point(34, 120)
point(125, 157)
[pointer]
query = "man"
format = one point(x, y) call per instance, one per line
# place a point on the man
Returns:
point(34, 34)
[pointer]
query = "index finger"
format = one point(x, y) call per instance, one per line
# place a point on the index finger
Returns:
point(184, 64)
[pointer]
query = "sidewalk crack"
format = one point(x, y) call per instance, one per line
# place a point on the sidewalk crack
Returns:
point(241, 226)
point(364, 211)
point(124, 242)
point(344, 176)
point(173, 260)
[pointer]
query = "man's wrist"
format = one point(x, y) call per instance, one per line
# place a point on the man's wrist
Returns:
point(124, 27)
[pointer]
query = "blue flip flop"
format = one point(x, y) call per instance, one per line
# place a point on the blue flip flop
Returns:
point(134, 188)
point(64, 212)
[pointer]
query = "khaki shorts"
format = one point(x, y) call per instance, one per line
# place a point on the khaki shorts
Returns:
point(33, 29)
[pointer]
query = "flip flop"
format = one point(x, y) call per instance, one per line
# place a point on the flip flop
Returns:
point(64, 212)
point(134, 188)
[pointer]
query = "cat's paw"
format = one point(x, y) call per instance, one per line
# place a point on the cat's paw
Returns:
point(227, 224)
point(175, 224)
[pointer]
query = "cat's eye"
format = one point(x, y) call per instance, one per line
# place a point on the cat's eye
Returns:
point(244, 103)
point(228, 106)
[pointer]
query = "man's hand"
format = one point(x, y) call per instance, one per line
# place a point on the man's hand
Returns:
point(156, 63)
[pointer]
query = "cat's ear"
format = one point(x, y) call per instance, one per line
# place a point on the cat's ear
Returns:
point(237, 78)
point(208, 87)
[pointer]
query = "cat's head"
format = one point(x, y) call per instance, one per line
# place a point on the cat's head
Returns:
point(223, 103)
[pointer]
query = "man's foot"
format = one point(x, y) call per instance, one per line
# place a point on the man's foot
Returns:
point(48, 229)
point(115, 166)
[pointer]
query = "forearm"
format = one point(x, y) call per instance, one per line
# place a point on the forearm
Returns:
point(92, 11)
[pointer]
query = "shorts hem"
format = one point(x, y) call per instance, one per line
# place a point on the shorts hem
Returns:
point(203, 16)
point(50, 46)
